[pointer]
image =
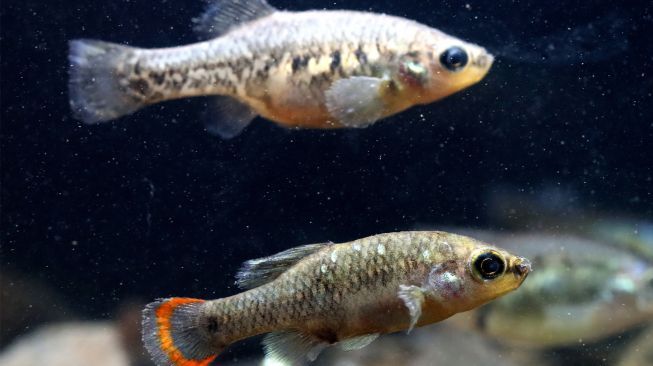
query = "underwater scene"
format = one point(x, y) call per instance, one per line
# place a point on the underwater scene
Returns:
point(348, 183)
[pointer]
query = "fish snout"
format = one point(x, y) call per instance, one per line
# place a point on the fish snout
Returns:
point(483, 60)
point(522, 267)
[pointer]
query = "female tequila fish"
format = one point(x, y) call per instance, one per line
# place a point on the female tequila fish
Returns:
point(582, 290)
point(313, 69)
point(313, 296)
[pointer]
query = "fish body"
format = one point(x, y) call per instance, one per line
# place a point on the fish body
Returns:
point(312, 69)
point(550, 210)
point(583, 290)
point(310, 297)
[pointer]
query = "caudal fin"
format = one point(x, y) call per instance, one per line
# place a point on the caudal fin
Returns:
point(94, 88)
point(172, 336)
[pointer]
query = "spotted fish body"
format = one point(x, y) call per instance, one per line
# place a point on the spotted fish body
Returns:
point(314, 296)
point(313, 69)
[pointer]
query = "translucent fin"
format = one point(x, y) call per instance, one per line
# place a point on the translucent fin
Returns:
point(355, 343)
point(257, 272)
point(221, 16)
point(171, 335)
point(356, 101)
point(94, 89)
point(413, 298)
point(226, 117)
point(292, 348)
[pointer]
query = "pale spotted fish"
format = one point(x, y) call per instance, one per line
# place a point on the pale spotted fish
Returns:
point(311, 69)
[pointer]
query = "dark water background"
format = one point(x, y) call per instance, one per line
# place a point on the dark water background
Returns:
point(153, 206)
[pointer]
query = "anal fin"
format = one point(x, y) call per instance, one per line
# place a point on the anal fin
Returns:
point(227, 117)
point(292, 347)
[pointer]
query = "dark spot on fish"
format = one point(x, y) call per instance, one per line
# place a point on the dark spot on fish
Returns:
point(296, 62)
point(413, 54)
point(361, 56)
point(320, 79)
point(335, 60)
point(300, 62)
point(159, 78)
point(140, 86)
point(137, 68)
point(212, 325)
point(393, 87)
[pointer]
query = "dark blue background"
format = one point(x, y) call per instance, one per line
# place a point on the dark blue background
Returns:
point(151, 205)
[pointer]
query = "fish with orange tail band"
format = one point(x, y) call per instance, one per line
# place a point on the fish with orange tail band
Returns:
point(312, 69)
point(310, 297)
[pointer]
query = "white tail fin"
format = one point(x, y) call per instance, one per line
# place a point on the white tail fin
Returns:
point(94, 89)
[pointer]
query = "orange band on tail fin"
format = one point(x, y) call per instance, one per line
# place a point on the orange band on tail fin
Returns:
point(170, 334)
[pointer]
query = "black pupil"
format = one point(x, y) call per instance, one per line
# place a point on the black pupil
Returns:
point(489, 265)
point(454, 58)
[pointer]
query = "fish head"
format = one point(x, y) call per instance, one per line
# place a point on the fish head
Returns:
point(445, 66)
point(477, 275)
point(494, 272)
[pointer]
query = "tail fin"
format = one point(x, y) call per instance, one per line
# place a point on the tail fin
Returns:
point(94, 89)
point(171, 334)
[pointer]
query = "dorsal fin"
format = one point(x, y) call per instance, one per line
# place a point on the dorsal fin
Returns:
point(221, 16)
point(257, 272)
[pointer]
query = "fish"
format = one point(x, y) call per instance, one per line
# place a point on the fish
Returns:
point(583, 291)
point(556, 210)
point(313, 296)
point(311, 69)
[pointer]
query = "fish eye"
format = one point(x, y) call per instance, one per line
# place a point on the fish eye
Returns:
point(489, 265)
point(454, 58)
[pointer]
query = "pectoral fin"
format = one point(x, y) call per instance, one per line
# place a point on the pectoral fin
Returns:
point(413, 298)
point(357, 101)
point(357, 342)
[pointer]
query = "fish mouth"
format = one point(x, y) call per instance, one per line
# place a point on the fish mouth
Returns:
point(483, 60)
point(522, 267)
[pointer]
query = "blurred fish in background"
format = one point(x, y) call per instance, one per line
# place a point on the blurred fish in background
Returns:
point(557, 209)
point(583, 292)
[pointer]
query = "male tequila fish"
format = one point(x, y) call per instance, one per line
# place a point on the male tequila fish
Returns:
point(313, 69)
point(313, 296)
